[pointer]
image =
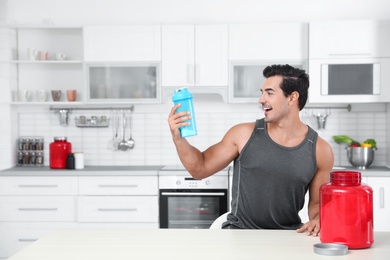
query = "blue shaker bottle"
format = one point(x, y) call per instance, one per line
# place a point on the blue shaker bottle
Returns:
point(183, 96)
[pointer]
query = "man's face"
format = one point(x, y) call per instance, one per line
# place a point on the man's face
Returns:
point(272, 99)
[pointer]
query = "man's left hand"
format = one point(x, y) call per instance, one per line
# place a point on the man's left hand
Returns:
point(312, 228)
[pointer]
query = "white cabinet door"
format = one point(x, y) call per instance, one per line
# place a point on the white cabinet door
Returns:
point(268, 41)
point(211, 55)
point(194, 55)
point(122, 43)
point(346, 39)
point(37, 208)
point(118, 209)
point(38, 185)
point(381, 193)
point(134, 185)
point(177, 57)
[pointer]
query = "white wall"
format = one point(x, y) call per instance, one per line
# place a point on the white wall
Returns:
point(191, 11)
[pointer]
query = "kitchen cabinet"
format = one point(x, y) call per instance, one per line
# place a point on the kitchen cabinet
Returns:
point(31, 207)
point(349, 39)
point(252, 47)
point(349, 61)
point(45, 58)
point(122, 43)
point(381, 197)
point(195, 56)
point(118, 199)
point(268, 42)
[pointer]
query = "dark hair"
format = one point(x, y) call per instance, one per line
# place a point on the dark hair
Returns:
point(294, 79)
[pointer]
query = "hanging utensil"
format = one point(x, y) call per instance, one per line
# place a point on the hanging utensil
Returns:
point(123, 145)
point(131, 142)
point(113, 143)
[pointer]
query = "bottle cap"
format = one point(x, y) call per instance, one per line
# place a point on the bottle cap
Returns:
point(180, 94)
point(60, 138)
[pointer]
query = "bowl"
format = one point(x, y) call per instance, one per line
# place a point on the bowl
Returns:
point(360, 157)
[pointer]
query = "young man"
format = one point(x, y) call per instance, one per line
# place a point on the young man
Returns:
point(276, 159)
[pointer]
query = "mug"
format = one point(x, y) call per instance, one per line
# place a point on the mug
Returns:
point(43, 55)
point(71, 94)
point(56, 95)
point(24, 95)
point(60, 56)
point(41, 95)
point(32, 54)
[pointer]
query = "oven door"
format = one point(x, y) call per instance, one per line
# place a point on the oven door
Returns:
point(191, 208)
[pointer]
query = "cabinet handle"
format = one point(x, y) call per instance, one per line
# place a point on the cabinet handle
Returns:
point(197, 73)
point(349, 54)
point(38, 186)
point(118, 209)
point(190, 73)
point(27, 239)
point(37, 209)
point(381, 197)
point(118, 185)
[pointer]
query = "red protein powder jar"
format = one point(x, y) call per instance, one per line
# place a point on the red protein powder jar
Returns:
point(59, 150)
point(346, 211)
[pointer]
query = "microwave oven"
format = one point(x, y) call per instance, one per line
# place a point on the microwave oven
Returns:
point(349, 80)
point(246, 78)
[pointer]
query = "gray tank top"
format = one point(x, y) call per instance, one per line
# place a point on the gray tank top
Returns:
point(270, 181)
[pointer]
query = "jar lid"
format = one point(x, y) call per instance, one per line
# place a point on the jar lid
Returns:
point(330, 249)
point(346, 175)
point(60, 138)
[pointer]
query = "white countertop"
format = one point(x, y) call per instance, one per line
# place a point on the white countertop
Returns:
point(161, 244)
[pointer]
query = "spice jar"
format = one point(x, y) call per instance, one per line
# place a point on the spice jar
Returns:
point(346, 210)
point(59, 150)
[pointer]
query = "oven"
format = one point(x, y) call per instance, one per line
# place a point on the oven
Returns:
point(189, 203)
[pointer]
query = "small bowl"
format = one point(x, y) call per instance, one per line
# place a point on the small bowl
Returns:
point(360, 157)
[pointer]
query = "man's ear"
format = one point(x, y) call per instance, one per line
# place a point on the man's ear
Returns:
point(294, 96)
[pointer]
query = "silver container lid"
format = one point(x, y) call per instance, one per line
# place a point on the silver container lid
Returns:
point(330, 249)
point(60, 138)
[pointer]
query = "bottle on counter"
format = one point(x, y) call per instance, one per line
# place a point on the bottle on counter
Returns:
point(59, 150)
point(70, 161)
point(346, 211)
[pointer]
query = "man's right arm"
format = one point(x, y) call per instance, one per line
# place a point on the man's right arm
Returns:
point(200, 164)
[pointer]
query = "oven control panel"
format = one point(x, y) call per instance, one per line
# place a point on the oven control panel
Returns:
point(185, 182)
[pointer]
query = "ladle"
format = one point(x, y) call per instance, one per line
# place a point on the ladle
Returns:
point(131, 142)
point(123, 145)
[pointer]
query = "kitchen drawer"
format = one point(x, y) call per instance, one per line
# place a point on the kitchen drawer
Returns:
point(37, 208)
point(15, 236)
point(118, 209)
point(135, 185)
point(38, 186)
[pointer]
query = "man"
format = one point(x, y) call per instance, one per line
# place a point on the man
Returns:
point(276, 159)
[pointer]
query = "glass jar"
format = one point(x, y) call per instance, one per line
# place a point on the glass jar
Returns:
point(39, 160)
point(346, 211)
point(59, 150)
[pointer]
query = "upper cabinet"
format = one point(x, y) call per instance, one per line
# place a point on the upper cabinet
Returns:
point(122, 43)
point(349, 62)
point(349, 39)
point(195, 55)
point(252, 47)
point(268, 41)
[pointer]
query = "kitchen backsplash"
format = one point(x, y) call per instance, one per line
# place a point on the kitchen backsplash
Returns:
point(153, 140)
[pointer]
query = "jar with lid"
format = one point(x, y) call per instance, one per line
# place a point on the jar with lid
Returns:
point(346, 211)
point(59, 150)
point(39, 160)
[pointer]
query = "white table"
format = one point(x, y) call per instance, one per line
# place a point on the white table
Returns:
point(160, 244)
